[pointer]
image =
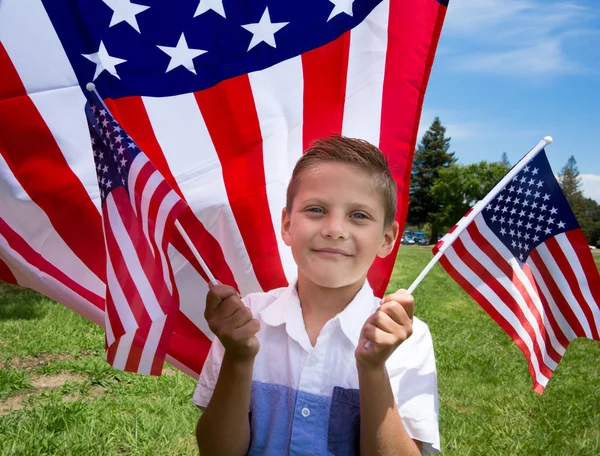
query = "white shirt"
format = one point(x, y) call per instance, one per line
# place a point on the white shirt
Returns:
point(305, 399)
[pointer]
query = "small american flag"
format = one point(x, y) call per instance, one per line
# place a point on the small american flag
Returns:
point(525, 260)
point(139, 209)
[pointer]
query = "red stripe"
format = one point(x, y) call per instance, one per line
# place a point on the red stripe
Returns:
point(556, 293)
point(413, 34)
point(140, 182)
point(131, 114)
point(113, 316)
point(237, 138)
point(34, 158)
point(19, 245)
point(496, 316)
point(505, 297)
point(6, 274)
point(325, 72)
point(565, 267)
point(508, 271)
point(132, 364)
point(590, 270)
point(189, 345)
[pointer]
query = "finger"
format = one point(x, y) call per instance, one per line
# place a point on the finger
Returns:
point(228, 307)
point(402, 296)
point(240, 317)
point(247, 331)
point(383, 321)
point(217, 294)
point(396, 312)
point(377, 336)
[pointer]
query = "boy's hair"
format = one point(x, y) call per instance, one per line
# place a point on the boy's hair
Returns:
point(351, 151)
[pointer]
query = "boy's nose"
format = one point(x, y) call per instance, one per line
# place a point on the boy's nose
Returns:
point(334, 228)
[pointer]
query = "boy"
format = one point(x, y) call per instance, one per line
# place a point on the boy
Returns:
point(301, 359)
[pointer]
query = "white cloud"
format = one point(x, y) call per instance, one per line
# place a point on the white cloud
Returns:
point(591, 186)
point(516, 37)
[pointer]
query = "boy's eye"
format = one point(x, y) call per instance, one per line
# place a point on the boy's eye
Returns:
point(359, 216)
point(315, 210)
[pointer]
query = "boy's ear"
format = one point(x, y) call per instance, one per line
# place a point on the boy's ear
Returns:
point(390, 236)
point(285, 227)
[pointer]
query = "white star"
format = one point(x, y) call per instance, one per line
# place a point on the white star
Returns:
point(536, 238)
point(543, 208)
point(553, 211)
point(561, 225)
point(541, 218)
point(205, 5)
point(540, 184)
point(519, 190)
point(108, 183)
point(536, 195)
point(341, 6)
point(526, 169)
point(535, 171)
point(124, 10)
point(502, 231)
point(510, 222)
point(493, 219)
point(532, 181)
point(513, 243)
point(550, 220)
point(546, 197)
point(181, 55)
point(538, 228)
point(105, 169)
point(123, 161)
point(264, 30)
point(104, 62)
point(511, 189)
point(512, 233)
point(547, 231)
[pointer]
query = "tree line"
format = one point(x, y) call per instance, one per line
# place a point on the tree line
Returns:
point(442, 190)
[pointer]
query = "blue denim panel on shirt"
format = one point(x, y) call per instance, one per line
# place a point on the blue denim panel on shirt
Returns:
point(344, 423)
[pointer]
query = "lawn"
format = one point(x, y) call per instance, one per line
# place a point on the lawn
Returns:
point(58, 395)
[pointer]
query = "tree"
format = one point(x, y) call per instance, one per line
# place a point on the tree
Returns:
point(590, 221)
point(459, 187)
point(430, 157)
point(570, 183)
point(504, 160)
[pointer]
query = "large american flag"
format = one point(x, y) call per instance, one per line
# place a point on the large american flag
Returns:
point(222, 97)
point(525, 260)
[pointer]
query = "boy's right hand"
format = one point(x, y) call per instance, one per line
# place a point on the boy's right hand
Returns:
point(232, 322)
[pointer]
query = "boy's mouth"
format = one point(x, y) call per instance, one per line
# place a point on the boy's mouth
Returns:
point(328, 251)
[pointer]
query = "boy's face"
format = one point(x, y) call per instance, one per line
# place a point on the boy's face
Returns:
point(335, 228)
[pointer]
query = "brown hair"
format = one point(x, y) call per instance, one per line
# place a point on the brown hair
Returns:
point(351, 151)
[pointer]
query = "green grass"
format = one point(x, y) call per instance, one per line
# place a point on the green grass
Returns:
point(487, 406)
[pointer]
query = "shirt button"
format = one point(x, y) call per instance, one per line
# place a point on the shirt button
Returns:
point(305, 412)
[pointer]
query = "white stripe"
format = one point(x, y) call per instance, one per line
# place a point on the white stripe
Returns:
point(124, 312)
point(33, 225)
point(134, 170)
point(277, 93)
point(517, 272)
point(193, 160)
point(167, 204)
point(510, 288)
point(123, 350)
point(150, 346)
point(564, 287)
point(584, 286)
point(30, 276)
point(192, 292)
point(366, 70)
point(110, 336)
point(71, 133)
point(33, 46)
point(558, 316)
point(489, 294)
point(129, 256)
point(147, 194)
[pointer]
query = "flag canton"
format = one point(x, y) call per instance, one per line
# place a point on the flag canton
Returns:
point(169, 48)
point(113, 148)
point(530, 209)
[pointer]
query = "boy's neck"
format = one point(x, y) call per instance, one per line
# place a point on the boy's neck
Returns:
point(320, 304)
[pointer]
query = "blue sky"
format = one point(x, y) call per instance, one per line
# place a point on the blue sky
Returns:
point(509, 72)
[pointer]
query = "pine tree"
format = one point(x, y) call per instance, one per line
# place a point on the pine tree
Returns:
point(431, 156)
point(570, 183)
point(504, 160)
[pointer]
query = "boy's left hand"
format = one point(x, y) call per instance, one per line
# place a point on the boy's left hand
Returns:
point(386, 329)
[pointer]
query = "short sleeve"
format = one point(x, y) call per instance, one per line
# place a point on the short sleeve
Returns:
point(413, 378)
point(209, 375)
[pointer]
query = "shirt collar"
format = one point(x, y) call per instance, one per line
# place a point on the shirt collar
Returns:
point(286, 309)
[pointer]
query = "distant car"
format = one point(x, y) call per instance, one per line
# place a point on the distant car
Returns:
point(592, 247)
point(420, 238)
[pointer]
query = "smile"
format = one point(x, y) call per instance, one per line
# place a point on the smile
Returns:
point(331, 253)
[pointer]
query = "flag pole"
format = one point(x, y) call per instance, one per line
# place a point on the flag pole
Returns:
point(465, 221)
point(91, 87)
